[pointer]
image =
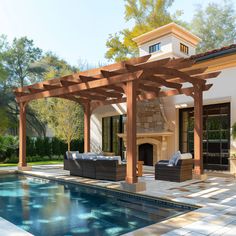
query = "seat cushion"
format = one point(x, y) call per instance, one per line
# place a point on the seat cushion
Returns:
point(186, 156)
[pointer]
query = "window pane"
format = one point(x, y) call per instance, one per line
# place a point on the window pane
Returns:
point(154, 48)
point(115, 131)
point(106, 134)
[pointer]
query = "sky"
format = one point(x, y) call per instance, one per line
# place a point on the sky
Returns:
point(76, 30)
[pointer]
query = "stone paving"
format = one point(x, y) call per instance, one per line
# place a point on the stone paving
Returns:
point(9, 229)
point(216, 196)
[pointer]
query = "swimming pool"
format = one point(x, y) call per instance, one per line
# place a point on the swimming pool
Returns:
point(45, 207)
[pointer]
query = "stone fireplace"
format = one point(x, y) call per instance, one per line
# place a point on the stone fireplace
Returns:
point(152, 132)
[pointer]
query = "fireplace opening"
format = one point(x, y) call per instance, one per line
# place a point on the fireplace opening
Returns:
point(146, 154)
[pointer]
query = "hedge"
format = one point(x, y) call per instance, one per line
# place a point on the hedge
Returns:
point(37, 148)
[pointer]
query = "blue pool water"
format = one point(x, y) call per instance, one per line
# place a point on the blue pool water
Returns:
point(44, 207)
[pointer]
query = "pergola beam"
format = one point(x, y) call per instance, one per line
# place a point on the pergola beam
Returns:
point(150, 96)
point(154, 89)
point(160, 70)
point(162, 82)
point(82, 87)
point(50, 87)
point(90, 72)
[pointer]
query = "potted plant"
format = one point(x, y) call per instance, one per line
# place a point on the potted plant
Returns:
point(232, 158)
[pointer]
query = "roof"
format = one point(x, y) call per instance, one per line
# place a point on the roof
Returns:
point(171, 28)
point(214, 53)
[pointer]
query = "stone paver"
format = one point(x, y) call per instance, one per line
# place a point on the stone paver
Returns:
point(9, 229)
point(216, 196)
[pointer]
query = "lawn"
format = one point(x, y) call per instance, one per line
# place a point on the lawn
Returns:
point(32, 163)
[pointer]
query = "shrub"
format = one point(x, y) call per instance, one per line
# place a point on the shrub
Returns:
point(8, 146)
point(37, 148)
point(14, 159)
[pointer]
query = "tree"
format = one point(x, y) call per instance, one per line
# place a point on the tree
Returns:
point(64, 117)
point(4, 121)
point(17, 68)
point(147, 15)
point(215, 25)
point(19, 59)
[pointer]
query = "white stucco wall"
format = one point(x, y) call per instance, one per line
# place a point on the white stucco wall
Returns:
point(166, 47)
point(176, 47)
point(170, 47)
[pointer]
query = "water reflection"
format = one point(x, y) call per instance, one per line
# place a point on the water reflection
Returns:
point(50, 208)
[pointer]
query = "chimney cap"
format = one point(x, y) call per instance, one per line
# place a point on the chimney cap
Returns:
point(171, 28)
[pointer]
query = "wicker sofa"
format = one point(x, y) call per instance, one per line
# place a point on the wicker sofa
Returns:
point(180, 172)
point(96, 167)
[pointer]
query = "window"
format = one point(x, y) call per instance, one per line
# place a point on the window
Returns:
point(111, 126)
point(184, 48)
point(154, 48)
point(216, 134)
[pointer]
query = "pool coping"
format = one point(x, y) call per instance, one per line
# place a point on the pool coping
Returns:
point(142, 196)
point(139, 195)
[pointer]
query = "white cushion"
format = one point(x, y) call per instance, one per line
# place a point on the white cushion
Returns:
point(102, 157)
point(89, 156)
point(110, 158)
point(186, 156)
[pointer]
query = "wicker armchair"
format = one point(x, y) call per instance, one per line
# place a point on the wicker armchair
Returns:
point(178, 173)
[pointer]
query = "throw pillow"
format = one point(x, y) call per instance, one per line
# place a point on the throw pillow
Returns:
point(174, 159)
point(178, 157)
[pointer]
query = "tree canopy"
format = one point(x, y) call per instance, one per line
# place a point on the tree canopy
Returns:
point(19, 58)
point(146, 15)
point(215, 25)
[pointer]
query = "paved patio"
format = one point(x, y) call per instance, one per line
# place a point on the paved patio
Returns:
point(216, 195)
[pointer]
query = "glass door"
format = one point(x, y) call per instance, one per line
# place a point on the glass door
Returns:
point(216, 134)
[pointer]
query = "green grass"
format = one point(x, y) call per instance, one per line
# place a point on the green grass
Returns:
point(33, 163)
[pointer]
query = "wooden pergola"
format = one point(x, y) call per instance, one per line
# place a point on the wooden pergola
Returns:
point(128, 81)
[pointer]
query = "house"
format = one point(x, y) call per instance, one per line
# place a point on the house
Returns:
point(165, 125)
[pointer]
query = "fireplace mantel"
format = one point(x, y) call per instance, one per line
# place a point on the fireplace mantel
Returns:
point(148, 134)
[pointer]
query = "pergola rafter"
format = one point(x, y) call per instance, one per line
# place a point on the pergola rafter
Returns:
point(129, 81)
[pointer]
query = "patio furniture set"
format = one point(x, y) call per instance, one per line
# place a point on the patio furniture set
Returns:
point(97, 166)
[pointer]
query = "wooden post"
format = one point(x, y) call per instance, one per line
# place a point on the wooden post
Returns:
point(198, 130)
point(87, 115)
point(131, 133)
point(22, 135)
